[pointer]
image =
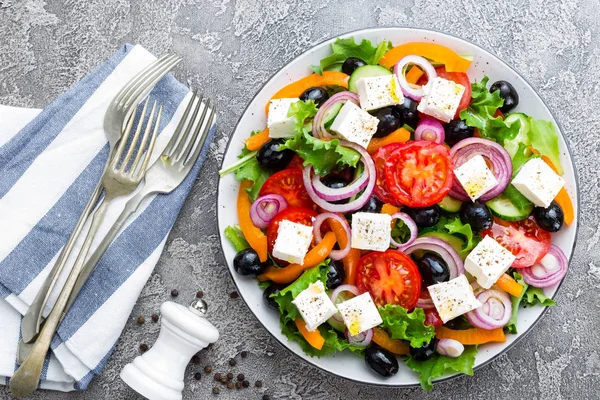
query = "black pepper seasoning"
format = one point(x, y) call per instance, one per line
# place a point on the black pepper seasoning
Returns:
point(266, 397)
point(244, 354)
point(241, 377)
point(195, 360)
point(140, 320)
point(174, 292)
point(234, 295)
point(200, 294)
point(238, 385)
point(154, 317)
point(223, 380)
point(207, 369)
point(143, 347)
point(245, 384)
point(197, 376)
point(216, 390)
point(232, 362)
point(229, 376)
point(258, 384)
point(217, 376)
point(230, 385)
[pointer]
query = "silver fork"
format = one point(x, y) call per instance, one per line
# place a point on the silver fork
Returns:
point(120, 178)
point(118, 111)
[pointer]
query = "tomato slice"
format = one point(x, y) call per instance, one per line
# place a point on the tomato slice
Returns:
point(391, 277)
point(419, 173)
point(296, 162)
point(298, 215)
point(290, 185)
point(462, 79)
point(379, 157)
point(525, 239)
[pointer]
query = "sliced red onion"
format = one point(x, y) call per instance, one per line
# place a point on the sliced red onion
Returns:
point(318, 128)
point(425, 301)
point(330, 194)
point(412, 227)
point(501, 165)
point(318, 221)
point(549, 271)
point(431, 130)
point(363, 339)
point(409, 90)
point(265, 208)
point(360, 200)
point(450, 348)
point(443, 249)
point(495, 311)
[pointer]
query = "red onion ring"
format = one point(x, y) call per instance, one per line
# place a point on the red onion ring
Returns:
point(501, 162)
point(318, 128)
point(363, 339)
point(443, 249)
point(410, 90)
point(335, 294)
point(329, 194)
point(546, 273)
point(495, 311)
point(265, 208)
point(425, 301)
point(431, 130)
point(353, 205)
point(412, 227)
point(319, 219)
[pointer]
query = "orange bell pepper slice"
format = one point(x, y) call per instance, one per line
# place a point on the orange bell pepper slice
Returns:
point(433, 51)
point(389, 209)
point(471, 336)
point(400, 135)
point(255, 142)
point(393, 345)
point(255, 237)
point(313, 258)
point(314, 338)
point(413, 75)
point(295, 89)
point(509, 285)
point(351, 260)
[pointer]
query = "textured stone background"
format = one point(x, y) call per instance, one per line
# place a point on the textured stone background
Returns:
point(230, 48)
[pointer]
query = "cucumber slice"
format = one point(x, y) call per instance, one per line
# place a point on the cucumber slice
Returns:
point(331, 114)
point(502, 207)
point(364, 72)
point(450, 204)
point(456, 243)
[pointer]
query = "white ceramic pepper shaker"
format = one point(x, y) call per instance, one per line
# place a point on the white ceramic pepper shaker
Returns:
point(158, 373)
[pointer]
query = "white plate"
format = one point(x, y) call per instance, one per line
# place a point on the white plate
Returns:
point(347, 365)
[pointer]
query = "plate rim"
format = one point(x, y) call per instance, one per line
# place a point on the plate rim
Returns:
point(498, 59)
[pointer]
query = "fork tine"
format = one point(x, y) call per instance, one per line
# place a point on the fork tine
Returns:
point(188, 128)
point(197, 124)
point(134, 141)
point(139, 76)
point(123, 141)
point(150, 148)
point(189, 162)
point(179, 130)
point(143, 142)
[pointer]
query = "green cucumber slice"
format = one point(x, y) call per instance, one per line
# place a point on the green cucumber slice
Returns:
point(450, 204)
point(502, 207)
point(331, 114)
point(364, 72)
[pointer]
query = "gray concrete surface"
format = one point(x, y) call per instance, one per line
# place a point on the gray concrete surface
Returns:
point(230, 48)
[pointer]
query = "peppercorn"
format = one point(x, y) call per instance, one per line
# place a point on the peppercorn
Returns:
point(245, 384)
point(244, 354)
point(140, 320)
point(200, 294)
point(266, 397)
point(230, 385)
point(234, 295)
point(207, 369)
point(241, 377)
point(195, 360)
point(232, 362)
point(143, 347)
point(154, 318)
point(174, 292)
point(229, 376)
point(258, 384)
point(223, 380)
point(238, 385)
point(217, 376)
point(197, 376)
point(216, 390)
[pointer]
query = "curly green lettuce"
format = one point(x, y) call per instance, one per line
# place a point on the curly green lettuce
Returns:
point(343, 49)
point(410, 326)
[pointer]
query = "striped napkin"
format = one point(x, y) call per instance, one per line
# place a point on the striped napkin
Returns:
point(50, 162)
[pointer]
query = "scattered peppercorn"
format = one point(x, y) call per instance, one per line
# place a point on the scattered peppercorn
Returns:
point(143, 347)
point(241, 377)
point(234, 295)
point(200, 294)
point(244, 354)
point(174, 292)
point(238, 385)
point(140, 320)
point(223, 380)
point(266, 397)
point(216, 390)
point(232, 362)
point(154, 317)
point(217, 376)
point(230, 385)
point(207, 369)
point(229, 376)
point(245, 384)
point(197, 376)
point(195, 360)
point(258, 384)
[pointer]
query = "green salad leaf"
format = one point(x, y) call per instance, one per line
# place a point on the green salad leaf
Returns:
point(343, 49)
point(334, 341)
point(530, 297)
point(521, 156)
point(534, 295)
point(301, 111)
point(236, 237)
point(544, 139)
point(401, 324)
point(464, 230)
point(511, 327)
point(439, 366)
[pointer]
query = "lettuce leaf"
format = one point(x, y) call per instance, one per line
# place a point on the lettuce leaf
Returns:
point(511, 327)
point(401, 324)
point(346, 48)
point(301, 111)
point(439, 366)
point(465, 230)
point(544, 139)
point(236, 237)
point(520, 157)
point(534, 295)
point(530, 297)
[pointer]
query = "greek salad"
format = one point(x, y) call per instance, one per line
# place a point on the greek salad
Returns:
point(396, 209)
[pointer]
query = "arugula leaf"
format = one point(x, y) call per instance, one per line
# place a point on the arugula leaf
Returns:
point(334, 342)
point(439, 366)
point(480, 114)
point(343, 49)
point(511, 327)
point(401, 324)
point(301, 111)
point(236, 237)
point(544, 139)
point(465, 230)
point(534, 295)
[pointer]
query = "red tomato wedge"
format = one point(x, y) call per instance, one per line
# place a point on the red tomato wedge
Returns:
point(419, 173)
point(289, 184)
point(457, 77)
point(379, 157)
point(299, 215)
point(296, 162)
point(391, 277)
point(525, 239)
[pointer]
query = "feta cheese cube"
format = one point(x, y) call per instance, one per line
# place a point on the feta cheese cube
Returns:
point(354, 124)
point(488, 261)
point(371, 231)
point(442, 99)
point(292, 241)
point(359, 314)
point(538, 182)
point(453, 298)
point(278, 122)
point(475, 177)
point(379, 91)
point(314, 305)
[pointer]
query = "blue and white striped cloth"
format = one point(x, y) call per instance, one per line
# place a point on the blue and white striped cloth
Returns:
point(50, 162)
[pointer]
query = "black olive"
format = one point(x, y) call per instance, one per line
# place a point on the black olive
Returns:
point(316, 94)
point(247, 262)
point(409, 113)
point(550, 219)
point(373, 205)
point(270, 157)
point(508, 93)
point(457, 130)
point(390, 119)
point(351, 64)
point(424, 353)
point(269, 301)
point(424, 217)
point(381, 361)
point(477, 215)
point(336, 274)
point(335, 182)
point(433, 269)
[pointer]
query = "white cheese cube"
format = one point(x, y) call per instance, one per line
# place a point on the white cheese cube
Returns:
point(278, 122)
point(354, 124)
point(538, 182)
point(475, 177)
point(453, 298)
point(442, 99)
point(371, 231)
point(292, 241)
point(359, 314)
point(314, 305)
point(488, 261)
point(379, 91)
